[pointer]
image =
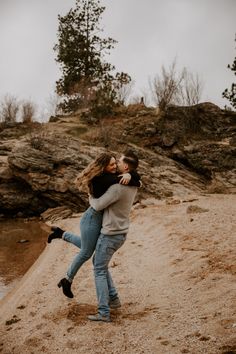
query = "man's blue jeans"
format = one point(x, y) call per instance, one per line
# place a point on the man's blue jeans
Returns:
point(107, 245)
point(90, 227)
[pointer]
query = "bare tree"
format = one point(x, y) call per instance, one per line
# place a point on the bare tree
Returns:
point(28, 111)
point(9, 109)
point(165, 87)
point(190, 90)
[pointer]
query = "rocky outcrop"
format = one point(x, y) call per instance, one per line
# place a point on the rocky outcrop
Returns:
point(43, 177)
point(201, 138)
point(187, 150)
point(38, 176)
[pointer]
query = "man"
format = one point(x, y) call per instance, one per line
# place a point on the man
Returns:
point(117, 202)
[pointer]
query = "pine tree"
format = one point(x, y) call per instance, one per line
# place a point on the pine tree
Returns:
point(81, 51)
point(230, 94)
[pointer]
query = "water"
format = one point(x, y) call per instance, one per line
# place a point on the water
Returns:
point(21, 242)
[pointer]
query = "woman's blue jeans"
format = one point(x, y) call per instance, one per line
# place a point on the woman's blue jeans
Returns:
point(90, 226)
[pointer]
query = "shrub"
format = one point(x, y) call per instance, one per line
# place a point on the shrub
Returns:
point(9, 109)
point(28, 112)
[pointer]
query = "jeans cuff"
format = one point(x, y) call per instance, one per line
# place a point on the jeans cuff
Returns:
point(68, 278)
point(63, 236)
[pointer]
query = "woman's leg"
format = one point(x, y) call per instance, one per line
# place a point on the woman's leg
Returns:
point(72, 238)
point(90, 226)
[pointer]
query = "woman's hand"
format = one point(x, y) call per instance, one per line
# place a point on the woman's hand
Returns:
point(126, 177)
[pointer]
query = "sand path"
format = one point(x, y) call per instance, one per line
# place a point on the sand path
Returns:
point(176, 278)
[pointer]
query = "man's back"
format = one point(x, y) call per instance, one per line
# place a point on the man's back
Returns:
point(117, 202)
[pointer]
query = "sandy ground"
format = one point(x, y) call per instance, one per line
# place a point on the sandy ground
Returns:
point(176, 276)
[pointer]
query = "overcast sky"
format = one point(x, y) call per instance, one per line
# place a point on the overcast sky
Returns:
point(150, 33)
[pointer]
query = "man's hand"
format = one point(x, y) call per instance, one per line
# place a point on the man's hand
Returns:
point(126, 177)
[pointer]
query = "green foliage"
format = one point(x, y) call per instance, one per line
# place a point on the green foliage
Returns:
point(105, 96)
point(230, 94)
point(81, 51)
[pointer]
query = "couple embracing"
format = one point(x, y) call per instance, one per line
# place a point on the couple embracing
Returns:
point(112, 187)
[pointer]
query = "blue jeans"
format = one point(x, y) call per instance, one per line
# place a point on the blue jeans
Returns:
point(107, 245)
point(90, 227)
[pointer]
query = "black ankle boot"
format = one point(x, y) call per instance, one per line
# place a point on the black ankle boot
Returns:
point(57, 233)
point(66, 285)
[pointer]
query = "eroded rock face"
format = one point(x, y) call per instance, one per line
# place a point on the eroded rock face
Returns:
point(43, 178)
point(185, 151)
point(18, 197)
point(39, 179)
point(201, 138)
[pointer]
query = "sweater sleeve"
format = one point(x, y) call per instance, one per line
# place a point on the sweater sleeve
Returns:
point(135, 179)
point(103, 182)
point(110, 197)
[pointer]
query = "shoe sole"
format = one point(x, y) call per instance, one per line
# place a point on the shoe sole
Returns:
point(115, 306)
point(99, 319)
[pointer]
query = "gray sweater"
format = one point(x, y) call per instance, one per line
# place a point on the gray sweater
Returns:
point(117, 203)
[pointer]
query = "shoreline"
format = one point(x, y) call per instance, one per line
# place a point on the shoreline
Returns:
point(21, 243)
point(13, 296)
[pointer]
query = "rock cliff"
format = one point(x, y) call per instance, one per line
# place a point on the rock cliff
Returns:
point(185, 151)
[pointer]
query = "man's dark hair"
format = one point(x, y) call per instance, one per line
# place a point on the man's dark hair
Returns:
point(131, 159)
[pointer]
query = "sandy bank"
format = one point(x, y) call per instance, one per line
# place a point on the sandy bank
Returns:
point(176, 277)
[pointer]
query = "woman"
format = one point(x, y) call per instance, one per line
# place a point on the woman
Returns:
point(94, 179)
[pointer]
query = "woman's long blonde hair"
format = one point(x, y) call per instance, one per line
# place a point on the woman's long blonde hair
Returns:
point(95, 168)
